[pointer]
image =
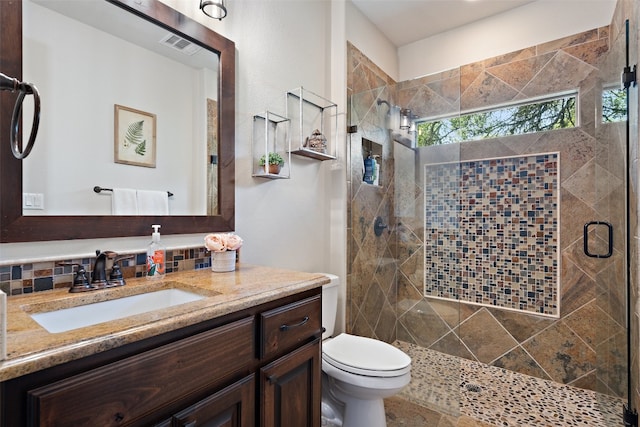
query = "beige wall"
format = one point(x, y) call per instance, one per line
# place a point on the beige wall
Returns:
point(501, 34)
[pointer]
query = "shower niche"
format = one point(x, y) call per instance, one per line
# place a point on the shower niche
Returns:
point(372, 162)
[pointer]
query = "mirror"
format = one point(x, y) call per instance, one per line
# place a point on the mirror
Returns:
point(67, 223)
point(90, 56)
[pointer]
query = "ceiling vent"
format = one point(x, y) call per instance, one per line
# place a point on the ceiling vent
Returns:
point(178, 43)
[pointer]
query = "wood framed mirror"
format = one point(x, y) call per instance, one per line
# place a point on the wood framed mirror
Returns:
point(17, 227)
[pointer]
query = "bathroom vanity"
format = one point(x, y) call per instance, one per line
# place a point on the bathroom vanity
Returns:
point(246, 354)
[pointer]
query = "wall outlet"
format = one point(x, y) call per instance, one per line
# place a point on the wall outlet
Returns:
point(33, 201)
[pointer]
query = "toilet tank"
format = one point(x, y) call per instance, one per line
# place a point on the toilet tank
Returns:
point(330, 304)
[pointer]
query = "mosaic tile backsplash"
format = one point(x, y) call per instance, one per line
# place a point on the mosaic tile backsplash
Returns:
point(491, 232)
point(44, 276)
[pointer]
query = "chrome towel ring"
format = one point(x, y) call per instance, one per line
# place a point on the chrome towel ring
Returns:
point(23, 89)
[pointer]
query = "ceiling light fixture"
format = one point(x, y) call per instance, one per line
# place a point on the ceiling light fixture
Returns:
point(214, 8)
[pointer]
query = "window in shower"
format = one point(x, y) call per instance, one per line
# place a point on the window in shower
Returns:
point(551, 113)
point(614, 105)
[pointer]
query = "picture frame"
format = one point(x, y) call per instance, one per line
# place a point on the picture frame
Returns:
point(134, 137)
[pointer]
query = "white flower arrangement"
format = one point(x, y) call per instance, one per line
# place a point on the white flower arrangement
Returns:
point(220, 242)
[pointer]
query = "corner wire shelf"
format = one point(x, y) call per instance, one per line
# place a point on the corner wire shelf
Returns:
point(321, 104)
point(274, 120)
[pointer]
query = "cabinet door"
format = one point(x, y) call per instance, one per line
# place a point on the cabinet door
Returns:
point(290, 389)
point(233, 406)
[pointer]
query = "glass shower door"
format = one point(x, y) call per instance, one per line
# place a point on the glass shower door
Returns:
point(605, 238)
point(426, 212)
point(386, 274)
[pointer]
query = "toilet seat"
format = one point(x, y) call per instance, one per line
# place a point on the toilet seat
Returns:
point(365, 356)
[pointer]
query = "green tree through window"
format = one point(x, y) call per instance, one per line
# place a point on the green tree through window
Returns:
point(558, 113)
point(614, 105)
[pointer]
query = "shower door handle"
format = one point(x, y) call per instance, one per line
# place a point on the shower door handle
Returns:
point(586, 239)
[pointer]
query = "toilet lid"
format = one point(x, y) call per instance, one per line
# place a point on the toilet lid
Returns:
point(365, 356)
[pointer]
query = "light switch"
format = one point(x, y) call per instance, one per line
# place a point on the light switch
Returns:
point(33, 201)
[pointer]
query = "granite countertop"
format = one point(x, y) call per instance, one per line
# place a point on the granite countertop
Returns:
point(30, 347)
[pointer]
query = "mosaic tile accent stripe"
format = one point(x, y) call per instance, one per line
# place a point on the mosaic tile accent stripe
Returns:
point(48, 275)
point(492, 232)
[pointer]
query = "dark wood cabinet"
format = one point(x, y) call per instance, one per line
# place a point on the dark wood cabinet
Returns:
point(128, 391)
point(233, 406)
point(290, 389)
point(258, 366)
point(285, 327)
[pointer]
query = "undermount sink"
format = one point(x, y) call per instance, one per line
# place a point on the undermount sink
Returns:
point(67, 319)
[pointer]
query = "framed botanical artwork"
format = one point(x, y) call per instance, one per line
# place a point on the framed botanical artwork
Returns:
point(135, 137)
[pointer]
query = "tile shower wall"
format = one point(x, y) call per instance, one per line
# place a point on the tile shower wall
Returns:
point(491, 232)
point(48, 275)
point(371, 269)
point(583, 346)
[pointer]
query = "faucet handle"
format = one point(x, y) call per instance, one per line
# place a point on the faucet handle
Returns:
point(80, 280)
point(115, 277)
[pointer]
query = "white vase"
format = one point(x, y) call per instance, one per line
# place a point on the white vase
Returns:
point(223, 261)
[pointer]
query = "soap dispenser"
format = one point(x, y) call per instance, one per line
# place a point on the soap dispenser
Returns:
point(155, 255)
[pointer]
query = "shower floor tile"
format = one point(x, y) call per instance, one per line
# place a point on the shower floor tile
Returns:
point(461, 390)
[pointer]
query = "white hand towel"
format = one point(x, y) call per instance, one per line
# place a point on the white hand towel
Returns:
point(124, 202)
point(153, 202)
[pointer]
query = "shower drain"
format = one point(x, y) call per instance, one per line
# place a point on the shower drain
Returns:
point(475, 388)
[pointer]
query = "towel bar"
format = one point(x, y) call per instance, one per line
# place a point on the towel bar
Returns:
point(99, 189)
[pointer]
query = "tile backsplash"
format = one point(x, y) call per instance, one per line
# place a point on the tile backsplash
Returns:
point(43, 276)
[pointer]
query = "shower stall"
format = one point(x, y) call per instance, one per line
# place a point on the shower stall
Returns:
point(503, 264)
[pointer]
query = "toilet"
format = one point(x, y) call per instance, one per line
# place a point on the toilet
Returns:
point(357, 372)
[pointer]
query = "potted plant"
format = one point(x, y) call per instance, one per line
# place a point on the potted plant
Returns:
point(275, 163)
